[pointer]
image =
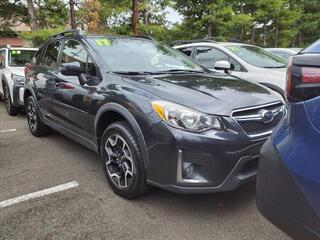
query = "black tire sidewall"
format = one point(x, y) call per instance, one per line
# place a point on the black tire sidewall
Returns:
point(41, 128)
point(136, 187)
point(12, 111)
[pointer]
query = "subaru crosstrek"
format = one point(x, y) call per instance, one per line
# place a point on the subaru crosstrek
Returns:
point(288, 186)
point(153, 115)
point(12, 64)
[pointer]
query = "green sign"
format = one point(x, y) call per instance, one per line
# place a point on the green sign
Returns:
point(102, 42)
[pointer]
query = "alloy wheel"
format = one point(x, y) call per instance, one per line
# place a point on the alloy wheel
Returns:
point(32, 116)
point(119, 163)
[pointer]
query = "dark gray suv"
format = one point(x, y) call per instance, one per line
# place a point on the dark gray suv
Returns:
point(154, 116)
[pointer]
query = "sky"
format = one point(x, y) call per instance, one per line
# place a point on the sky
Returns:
point(172, 15)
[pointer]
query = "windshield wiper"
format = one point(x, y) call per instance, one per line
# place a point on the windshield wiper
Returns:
point(132, 72)
point(283, 66)
point(180, 70)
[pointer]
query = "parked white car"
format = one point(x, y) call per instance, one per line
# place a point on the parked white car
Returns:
point(12, 64)
point(245, 61)
point(284, 52)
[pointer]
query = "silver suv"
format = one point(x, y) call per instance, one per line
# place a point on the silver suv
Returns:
point(12, 63)
point(245, 61)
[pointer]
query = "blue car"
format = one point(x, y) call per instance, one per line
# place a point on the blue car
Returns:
point(288, 185)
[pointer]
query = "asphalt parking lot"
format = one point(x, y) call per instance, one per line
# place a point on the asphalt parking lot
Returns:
point(91, 210)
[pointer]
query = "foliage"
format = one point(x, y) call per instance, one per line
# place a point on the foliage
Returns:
point(268, 23)
point(11, 11)
point(51, 13)
point(41, 35)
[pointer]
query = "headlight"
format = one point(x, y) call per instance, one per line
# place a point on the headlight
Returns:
point(185, 118)
point(17, 78)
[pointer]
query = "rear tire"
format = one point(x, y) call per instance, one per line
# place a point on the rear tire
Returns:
point(36, 126)
point(11, 110)
point(122, 161)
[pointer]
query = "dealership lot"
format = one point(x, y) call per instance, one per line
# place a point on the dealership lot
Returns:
point(90, 210)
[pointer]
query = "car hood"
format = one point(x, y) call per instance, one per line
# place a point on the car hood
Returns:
point(212, 94)
point(17, 70)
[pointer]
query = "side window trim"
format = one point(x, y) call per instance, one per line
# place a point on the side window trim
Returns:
point(243, 69)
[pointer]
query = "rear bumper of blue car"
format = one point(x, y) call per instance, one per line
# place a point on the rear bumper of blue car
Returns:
point(281, 201)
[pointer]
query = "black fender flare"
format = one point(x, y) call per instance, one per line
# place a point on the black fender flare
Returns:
point(114, 107)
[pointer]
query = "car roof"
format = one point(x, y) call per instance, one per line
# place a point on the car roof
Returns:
point(206, 43)
point(20, 48)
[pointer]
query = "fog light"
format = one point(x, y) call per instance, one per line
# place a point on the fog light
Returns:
point(189, 171)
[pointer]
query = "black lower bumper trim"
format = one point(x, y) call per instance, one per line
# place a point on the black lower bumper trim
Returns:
point(243, 172)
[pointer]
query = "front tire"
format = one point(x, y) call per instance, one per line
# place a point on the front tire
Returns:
point(11, 110)
point(122, 161)
point(36, 126)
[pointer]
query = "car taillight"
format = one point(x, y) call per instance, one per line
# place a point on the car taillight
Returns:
point(289, 78)
point(310, 75)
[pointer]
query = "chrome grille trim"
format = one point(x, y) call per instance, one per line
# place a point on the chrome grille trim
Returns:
point(243, 120)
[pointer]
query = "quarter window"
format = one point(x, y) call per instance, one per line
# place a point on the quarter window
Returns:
point(50, 58)
point(207, 57)
point(186, 51)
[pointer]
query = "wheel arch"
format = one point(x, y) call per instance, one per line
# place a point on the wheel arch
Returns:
point(112, 112)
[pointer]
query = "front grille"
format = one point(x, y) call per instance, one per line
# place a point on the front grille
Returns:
point(253, 123)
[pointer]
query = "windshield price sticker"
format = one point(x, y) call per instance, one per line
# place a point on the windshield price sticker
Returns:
point(102, 42)
point(14, 52)
point(234, 49)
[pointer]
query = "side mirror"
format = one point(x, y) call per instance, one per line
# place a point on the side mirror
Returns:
point(71, 69)
point(222, 65)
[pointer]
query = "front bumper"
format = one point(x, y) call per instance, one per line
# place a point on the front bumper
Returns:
point(281, 201)
point(17, 97)
point(222, 160)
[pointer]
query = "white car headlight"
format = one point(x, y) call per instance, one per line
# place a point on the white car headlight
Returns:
point(185, 118)
point(17, 78)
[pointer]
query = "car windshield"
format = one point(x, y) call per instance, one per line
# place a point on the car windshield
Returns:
point(313, 48)
point(140, 55)
point(19, 58)
point(257, 56)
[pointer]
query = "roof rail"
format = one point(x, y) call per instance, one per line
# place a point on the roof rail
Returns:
point(181, 42)
point(68, 32)
point(222, 39)
point(143, 36)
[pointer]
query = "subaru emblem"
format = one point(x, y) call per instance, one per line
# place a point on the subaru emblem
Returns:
point(266, 116)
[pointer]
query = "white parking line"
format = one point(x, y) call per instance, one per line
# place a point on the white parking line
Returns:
point(38, 194)
point(8, 130)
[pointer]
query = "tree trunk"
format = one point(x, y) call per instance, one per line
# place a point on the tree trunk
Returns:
point(209, 29)
point(33, 21)
point(135, 16)
point(276, 37)
point(264, 35)
point(72, 15)
point(144, 16)
point(300, 39)
point(253, 34)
